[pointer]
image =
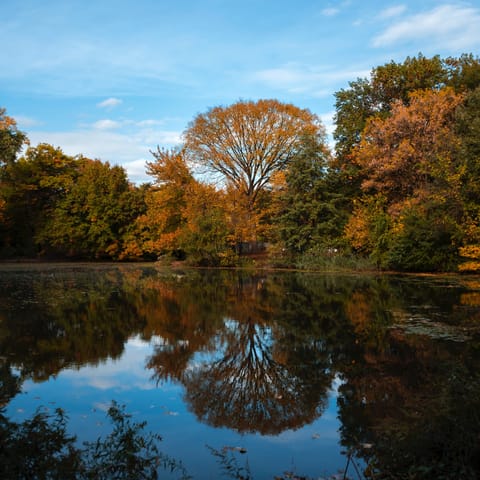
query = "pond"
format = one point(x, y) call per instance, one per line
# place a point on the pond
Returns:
point(257, 375)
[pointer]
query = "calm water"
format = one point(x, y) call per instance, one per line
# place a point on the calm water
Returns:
point(282, 372)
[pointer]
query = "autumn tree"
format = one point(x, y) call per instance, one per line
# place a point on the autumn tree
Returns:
point(463, 72)
point(467, 127)
point(12, 141)
point(184, 216)
point(366, 97)
point(387, 85)
point(205, 237)
point(159, 227)
point(245, 143)
point(410, 160)
point(412, 153)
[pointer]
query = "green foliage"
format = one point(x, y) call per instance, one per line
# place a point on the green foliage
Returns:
point(205, 242)
point(30, 188)
point(463, 73)
point(309, 207)
point(426, 242)
point(353, 106)
point(95, 213)
point(332, 259)
point(467, 127)
point(126, 452)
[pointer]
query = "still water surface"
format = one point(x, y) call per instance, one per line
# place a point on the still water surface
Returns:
point(286, 373)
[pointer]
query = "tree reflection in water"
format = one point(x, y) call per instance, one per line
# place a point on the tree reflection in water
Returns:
point(259, 353)
point(42, 448)
point(247, 390)
point(238, 376)
point(410, 406)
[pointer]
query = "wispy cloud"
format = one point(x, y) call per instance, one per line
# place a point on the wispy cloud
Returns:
point(106, 124)
point(330, 12)
point(447, 26)
point(305, 79)
point(109, 103)
point(150, 123)
point(394, 11)
point(26, 122)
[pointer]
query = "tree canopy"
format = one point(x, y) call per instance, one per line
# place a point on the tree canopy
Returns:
point(400, 191)
point(248, 141)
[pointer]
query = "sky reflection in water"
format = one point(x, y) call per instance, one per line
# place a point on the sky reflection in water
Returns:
point(294, 368)
point(86, 394)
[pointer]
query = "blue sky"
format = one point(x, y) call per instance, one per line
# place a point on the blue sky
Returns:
point(112, 79)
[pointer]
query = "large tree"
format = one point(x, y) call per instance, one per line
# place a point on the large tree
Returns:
point(12, 141)
point(412, 153)
point(248, 141)
point(158, 230)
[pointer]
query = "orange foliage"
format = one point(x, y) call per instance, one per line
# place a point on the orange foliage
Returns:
point(243, 222)
point(170, 168)
point(359, 311)
point(200, 201)
point(472, 299)
point(412, 152)
point(248, 141)
point(471, 252)
point(357, 229)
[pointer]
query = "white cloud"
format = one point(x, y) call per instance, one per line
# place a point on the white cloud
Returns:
point(26, 122)
point(304, 79)
point(330, 12)
point(106, 145)
point(149, 123)
point(109, 103)
point(162, 137)
point(136, 169)
point(125, 373)
point(392, 11)
point(447, 26)
point(106, 124)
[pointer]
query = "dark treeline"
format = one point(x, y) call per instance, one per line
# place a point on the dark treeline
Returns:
point(401, 190)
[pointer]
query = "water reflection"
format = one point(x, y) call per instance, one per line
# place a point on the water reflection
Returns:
point(259, 353)
point(248, 371)
point(249, 390)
